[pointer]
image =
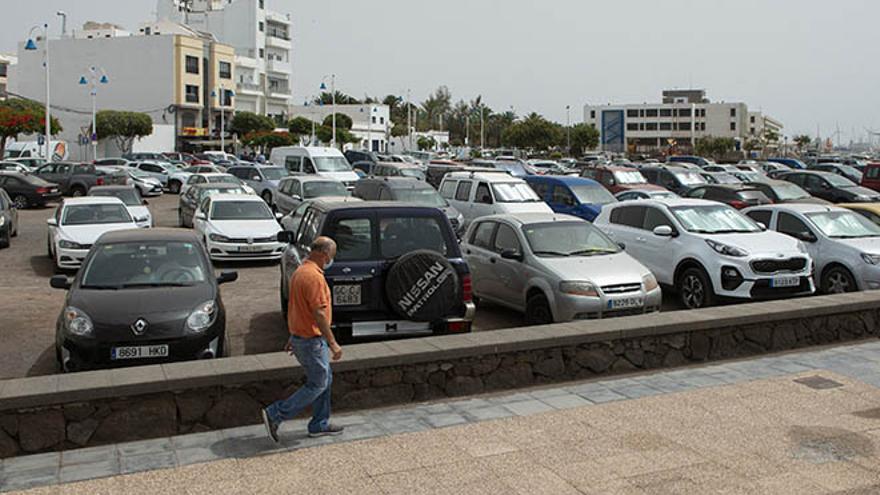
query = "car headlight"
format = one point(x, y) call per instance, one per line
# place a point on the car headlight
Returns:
point(64, 244)
point(77, 322)
point(2, 220)
point(649, 282)
point(218, 238)
point(202, 317)
point(586, 289)
point(726, 250)
point(871, 259)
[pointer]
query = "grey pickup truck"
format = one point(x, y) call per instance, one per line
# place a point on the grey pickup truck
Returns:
point(75, 179)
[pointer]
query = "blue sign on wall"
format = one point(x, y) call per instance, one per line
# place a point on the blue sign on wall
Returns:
point(612, 131)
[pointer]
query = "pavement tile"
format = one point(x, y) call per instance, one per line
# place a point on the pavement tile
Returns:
point(466, 405)
point(32, 462)
point(487, 413)
point(539, 482)
point(445, 419)
point(566, 401)
point(549, 392)
point(362, 431)
point(382, 456)
point(600, 396)
point(788, 484)
point(528, 407)
point(155, 446)
point(403, 425)
point(22, 480)
point(147, 462)
point(79, 472)
point(205, 439)
point(89, 455)
point(508, 398)
point(839, 476)
point(636, 391)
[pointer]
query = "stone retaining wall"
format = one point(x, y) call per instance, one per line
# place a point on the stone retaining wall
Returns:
point(93, 408)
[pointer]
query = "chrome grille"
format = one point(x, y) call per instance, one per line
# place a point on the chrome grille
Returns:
point(621, 288)
point(256, 240)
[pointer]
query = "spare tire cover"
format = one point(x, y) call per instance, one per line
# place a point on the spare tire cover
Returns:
point(423, 286)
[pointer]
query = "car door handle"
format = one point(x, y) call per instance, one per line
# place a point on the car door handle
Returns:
point(640, 239)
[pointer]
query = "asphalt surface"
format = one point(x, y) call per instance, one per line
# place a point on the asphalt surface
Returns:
point(29, 307)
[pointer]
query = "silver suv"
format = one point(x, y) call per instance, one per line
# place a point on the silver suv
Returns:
point(555, 268)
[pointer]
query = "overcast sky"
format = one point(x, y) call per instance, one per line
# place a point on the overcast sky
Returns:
point(805, 62)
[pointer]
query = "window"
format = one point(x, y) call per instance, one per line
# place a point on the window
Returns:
point(651, 126)
point(752, 131)
point(733, 112)
point(227, 98)
point(562, 196)
point(262, 4)
point(631, 126)
point(541, 189)
point(760, 216)
point(447, 190)
point(262, 53)
point(698, 193)
point(192, 94)
point(629, 216)
point(505, 240)
point(752, 119)
point(192, 64)
point(791, 225)
point(354, 239)
point(482, 236)
point(307, 166)
point(483, 195)
point(381, 120)
point(651, 112)
point(82, 169)
point(401, 235)
point(308, 230)
point(655, 218)
point(261, 26)
point(684, 112)
point(225, 70)
point(666, 112)
point(872, 172)
point(632, 113)
point(665, 126)
point(733, 126)
point(292, 163)
point(684, 126)
point(642, 127)
point(592, 114)
point(294, 188)
point(3, 70)
point(463, 192)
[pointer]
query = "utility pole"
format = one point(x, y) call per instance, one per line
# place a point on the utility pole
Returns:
point(408, 121)
point(568, 128)
point(482, 125)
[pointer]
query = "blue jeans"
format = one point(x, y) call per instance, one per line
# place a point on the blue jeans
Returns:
point(314, 356)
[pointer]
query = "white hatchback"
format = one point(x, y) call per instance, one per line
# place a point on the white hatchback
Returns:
point(79, 222)
point(706, 250)
point(238, 227)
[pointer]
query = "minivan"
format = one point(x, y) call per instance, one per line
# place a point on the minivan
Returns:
point(575, 196)
point(315, 160)
point(871, 177)
point(477, 194)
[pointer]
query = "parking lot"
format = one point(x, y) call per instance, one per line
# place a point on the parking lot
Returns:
point(29, 307)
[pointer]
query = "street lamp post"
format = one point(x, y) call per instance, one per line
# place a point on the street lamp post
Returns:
point(31, 45)
point(482, 134)
point(93, 81)
point(568, 128)
point(220, 93)
point(332, 103)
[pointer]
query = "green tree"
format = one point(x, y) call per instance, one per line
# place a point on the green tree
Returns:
point(714, 147)
point(533, 132)
point(19, 116)
point(247, 122)
point(802, 141)
point(583, 137)
point(342, 121)
point(436, 107)
point(123, 127)
point(325, 133)
point(326, 98)
point(266, 140)
point(300, 126)
point(426, 143)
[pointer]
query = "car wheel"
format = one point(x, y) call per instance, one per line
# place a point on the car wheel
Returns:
point(284, 298)
point(20, 202)
point(538, 311)
point(4, 241)
point(694, 289)
point(49, 253)
point(838, 280)
point(77, 192)
point(174, 187)
point(267, 197)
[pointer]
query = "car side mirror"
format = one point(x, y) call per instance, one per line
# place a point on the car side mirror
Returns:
point(806, 236)
point(257, 178)
point(200, 215)
point(825, 185)
point(52, 222)
point(510, 254)
point(227, 277)
point(285, 236)
point(60, 282)
point(621, 245)
point(763, 227)
point(145, 202)
point(279, 215)
point(297, 197)
point(663, 231)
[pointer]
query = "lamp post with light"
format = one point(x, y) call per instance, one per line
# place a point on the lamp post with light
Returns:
point(332, 102)
point(92, 82)
point(220, 93)
point(31, 45)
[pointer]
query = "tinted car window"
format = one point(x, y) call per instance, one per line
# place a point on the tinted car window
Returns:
point(447, 190)
point(463, 192)
point(506, 240)
point(699, 192)
point(791, 225)
point(813, 182)
point(561, 195)
point(401, 235)
point(354, 239)
point(483, 195)
point(540, 189)
point(655, 218)
point(761, 216)
point(630, 216)
point(482, 236)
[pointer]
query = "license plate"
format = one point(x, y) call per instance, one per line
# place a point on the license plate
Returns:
point(785, 282)
point(249, 249)
point(346, 295)
point(139, 352)
point(626, 302)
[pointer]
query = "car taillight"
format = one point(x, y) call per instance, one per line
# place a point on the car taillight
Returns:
point(42, 190)
point(467, 290)
point(458, 326)
point(738, 204)
point(100, 181)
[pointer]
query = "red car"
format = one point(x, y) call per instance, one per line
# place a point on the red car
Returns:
point(617, 179)
point(871, 176)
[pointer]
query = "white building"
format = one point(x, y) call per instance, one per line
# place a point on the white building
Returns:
point(370, 123)
point(400, 144)
point(92, 30)
point(6, 63)
point(167, 76)
point(261, 39)
point(676, 123)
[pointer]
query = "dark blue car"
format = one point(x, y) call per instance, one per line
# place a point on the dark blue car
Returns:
point(576, 196)
point(791, 162)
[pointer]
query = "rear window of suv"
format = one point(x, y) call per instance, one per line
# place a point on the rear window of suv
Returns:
point(397, 235)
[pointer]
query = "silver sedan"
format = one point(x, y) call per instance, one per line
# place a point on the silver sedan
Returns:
point(555, 268)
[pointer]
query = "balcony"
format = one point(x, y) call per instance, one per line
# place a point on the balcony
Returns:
point(280, 40)
point(277, 17)
point(278, 66)
point(249, 87)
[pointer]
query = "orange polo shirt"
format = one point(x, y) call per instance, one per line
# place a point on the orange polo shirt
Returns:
point(308, 292)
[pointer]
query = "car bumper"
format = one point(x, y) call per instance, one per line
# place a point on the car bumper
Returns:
point(361, 327)
point(88, 354)
point(70, 259)
point(569, 307)
point(150, 192)
point(752, 285)
point(222, 251)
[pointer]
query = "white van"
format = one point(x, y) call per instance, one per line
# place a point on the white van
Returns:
point(477, 194)
point(32, 149)
point(315, 160)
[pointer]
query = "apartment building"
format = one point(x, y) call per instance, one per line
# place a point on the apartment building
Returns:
point(6, 61)
point(261, 39)
point(682, 117)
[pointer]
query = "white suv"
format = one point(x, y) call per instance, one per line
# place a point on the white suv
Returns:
point(478, 194)
point(706, 250)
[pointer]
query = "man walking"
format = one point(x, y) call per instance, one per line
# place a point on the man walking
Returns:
point(312, 342)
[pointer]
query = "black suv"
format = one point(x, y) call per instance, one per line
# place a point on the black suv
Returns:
point(360, 156)
point(830, 186)
point(408, 190)
point(398, 269)
point(676, 179)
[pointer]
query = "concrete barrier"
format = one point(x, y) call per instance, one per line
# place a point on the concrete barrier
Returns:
point(98, 407)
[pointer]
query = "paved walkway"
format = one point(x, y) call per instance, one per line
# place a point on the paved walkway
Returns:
point(799, 423)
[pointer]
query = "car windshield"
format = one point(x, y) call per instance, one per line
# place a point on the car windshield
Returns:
point(556, 239)
point(595, 195)
point(838, 181)
point(850, 172)
point(332, 164)
point(688, 178)
point(240, 210)
point(126, 265)
point(844, 224)
point(128, 196)
point(713, 219)
point(789, 191)
point(94, 214)
point(662, 194)
point(204, 193)
point(412, 172)
point(273, 173)
point(515, 169)
point(225, 178)
point(724, 178)
point(629, 177)
point(140, 174)
point(423, 196)
point(315, 189)
point(514, 192)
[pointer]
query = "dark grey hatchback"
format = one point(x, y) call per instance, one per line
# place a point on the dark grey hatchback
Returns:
point(142, 296)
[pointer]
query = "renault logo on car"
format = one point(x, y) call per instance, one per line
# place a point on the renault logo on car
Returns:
point(139, 326)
